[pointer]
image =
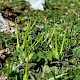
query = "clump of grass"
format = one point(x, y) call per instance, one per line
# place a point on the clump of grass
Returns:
point(55, 49)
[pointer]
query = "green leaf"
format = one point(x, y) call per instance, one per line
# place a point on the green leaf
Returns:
point(32, 77)
point(30, 57)
point(55, 54)
point(41, 55)
point(76, 51)
point(49, 55)
point(46, 69)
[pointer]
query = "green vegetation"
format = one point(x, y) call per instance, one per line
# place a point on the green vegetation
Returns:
point(45, 45)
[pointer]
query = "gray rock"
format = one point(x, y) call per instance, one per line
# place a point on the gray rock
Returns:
point(4, 26)
point(37, 4)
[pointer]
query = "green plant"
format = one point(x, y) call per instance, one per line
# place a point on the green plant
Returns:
point(54, 49)
point(56, 41)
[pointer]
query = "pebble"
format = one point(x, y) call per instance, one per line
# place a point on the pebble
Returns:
point(37, 4)
point(6, 25)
